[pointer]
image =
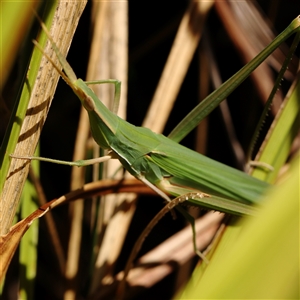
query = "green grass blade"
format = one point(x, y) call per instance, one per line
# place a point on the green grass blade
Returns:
point(215, 98)
point(275, 150)
point(12, 133)
point(16, 17)
point(263, 263)
point(28, 245)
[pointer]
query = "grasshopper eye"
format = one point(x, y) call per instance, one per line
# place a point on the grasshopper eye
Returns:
point(88, 103)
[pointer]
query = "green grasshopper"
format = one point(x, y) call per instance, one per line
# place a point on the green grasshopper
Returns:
point(167, 167)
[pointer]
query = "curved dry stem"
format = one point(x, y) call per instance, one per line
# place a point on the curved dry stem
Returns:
point(138, 244)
